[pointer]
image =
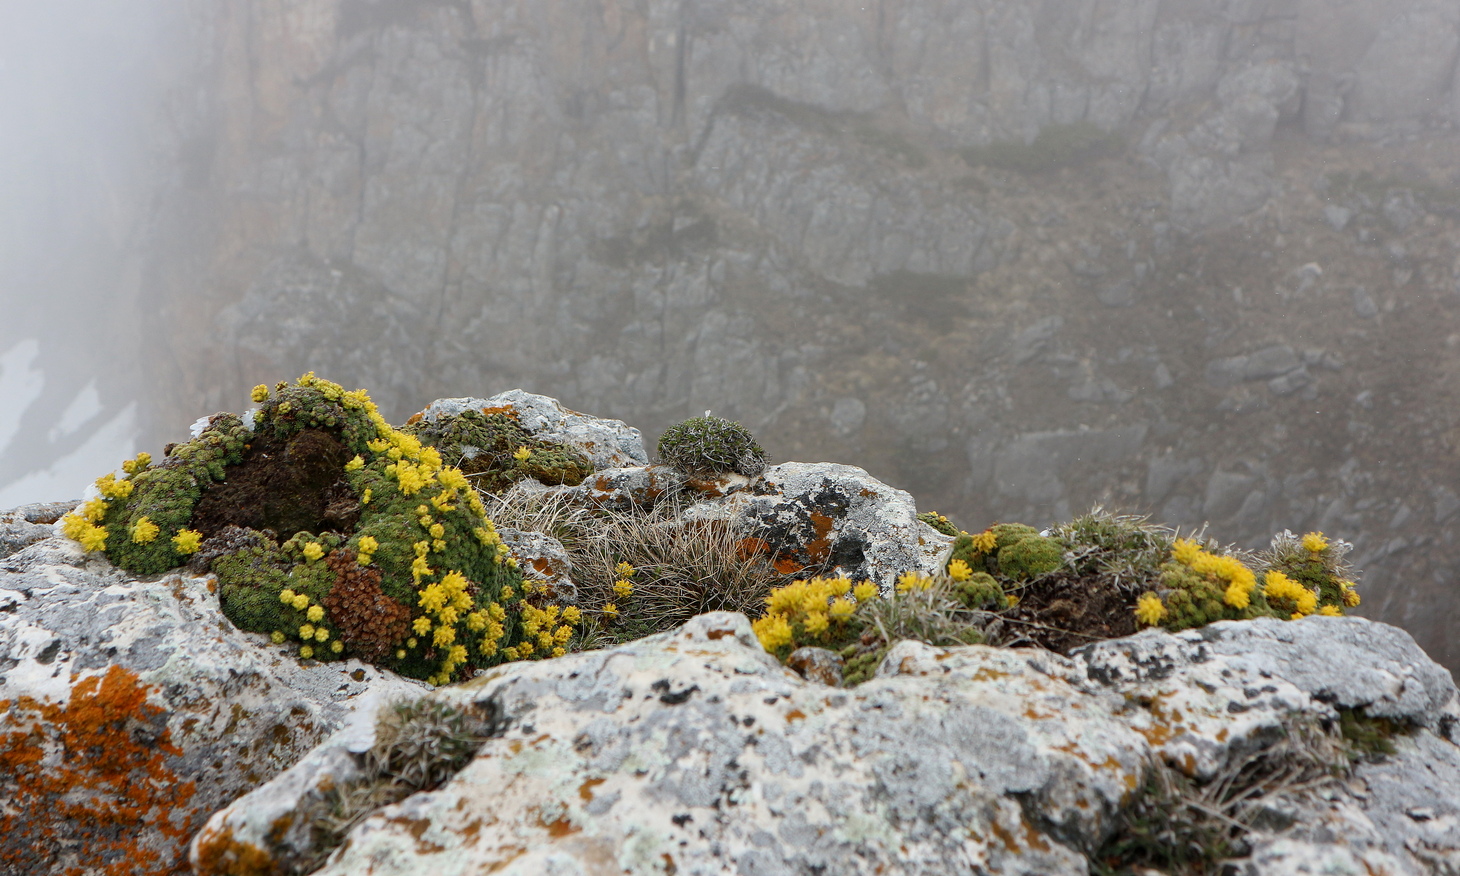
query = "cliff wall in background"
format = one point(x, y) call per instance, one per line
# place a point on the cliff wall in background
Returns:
point(1195, 258)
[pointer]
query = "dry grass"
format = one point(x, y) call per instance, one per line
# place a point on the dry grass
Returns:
point(682, 567)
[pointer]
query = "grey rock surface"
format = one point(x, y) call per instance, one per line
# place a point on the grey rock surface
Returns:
point(24, 526)
point(695, 748)
point(608, 443)
point(240, 708)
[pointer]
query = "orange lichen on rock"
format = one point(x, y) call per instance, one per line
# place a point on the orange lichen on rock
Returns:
point(88, 785)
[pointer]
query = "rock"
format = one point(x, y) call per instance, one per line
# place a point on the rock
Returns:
point(608, 443)
point(24, 526)
point(223, 710)
point(818, 665)
point(1338, 217)
point(543, 560)
point(1262, 364)
point(1364, 304)
point(619, 489)
point(831, 519)
point(694, 751)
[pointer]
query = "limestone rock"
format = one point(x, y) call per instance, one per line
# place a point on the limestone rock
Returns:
point(831, 519)
point(238, 708)
point(694, 751)
point(28, 524)
point(608, 443)
point(619, 489)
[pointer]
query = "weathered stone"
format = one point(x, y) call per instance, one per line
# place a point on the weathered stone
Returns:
point(608, 443)
point(24, 526)
point(238, 708)
point(620, 489)
point(818, 665)
point(831, 519)
point(543, 560)
point(695, 749)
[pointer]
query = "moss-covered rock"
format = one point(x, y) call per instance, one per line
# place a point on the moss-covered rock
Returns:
point(329, 528)
point(496, 451)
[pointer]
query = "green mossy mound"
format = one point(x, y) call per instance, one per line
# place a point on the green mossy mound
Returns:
point(702, 446)
point(329, 528)
point(488, 446)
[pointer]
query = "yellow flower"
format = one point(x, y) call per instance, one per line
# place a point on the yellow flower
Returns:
point(111, 488)
point(132, 466)
point(301, 601)
point(624, 570)
point(260, 393)
point(1331, 611)
point(522, 454)
point(985, 541)
point(144, 531)
point(1315, 542)
point(571, 615)
point(286, 596)
point(610, 610)
point(277, 637)
point(623, 589)
point(457, 654)
point(400, 653)
point(187, 541)
point(773, 631)
point(816, 622)
point(422, 626)
point(306, 631)
point(91, 537)
point(321, 634)
point(306, 652)
point(1150, 610)
point(365, 497)
point(452, 479)
point(93, 511)
point(355, 464)
point(958, 570)
point(559, 651)
point(842, 608)
point(839, 586)
point(313, 551)
point(1350, 596)
point(909, 581)
point(864, 591)
point(337, 646)
point(437, 531)
point(315, 613)
point(1237, 595)
point(1185, 551)
point(444, 635)
point(525, 649)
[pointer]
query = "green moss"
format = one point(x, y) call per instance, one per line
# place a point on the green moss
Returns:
point(486, 447)
point(711, 445)
point(1030, 557)
point(981, 591)
point(940, 523)
point(1055, 146)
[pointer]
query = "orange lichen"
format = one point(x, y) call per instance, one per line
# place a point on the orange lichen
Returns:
point(221, 854)
point(89, 783)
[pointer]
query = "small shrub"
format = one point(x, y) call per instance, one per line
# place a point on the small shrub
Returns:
point(709, 445)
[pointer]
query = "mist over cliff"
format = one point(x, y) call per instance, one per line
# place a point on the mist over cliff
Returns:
point(1197, 259)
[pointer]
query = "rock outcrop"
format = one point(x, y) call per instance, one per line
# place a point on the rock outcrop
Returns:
point(694, 752)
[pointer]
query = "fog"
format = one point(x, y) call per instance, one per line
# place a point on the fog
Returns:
point(1017, 258)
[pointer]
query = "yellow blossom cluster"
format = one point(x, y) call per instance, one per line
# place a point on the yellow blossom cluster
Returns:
point(1239, 579)
point(985, 541)
point(813, 605)
point(1150, 610)
point(144, 530)
point(187, 541)
point(313, 551)
point(310, 633)
point(1282, 591)
point(368, 545)
point(1315, 543)
point(959, 571)
point(911, 582)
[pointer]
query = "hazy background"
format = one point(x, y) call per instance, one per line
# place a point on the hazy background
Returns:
point(1193, 259)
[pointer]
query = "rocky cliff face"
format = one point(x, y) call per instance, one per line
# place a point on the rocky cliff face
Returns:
point(1016, 257)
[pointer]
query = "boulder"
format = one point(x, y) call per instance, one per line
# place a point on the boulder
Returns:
point(694, 752)
point(831, 519)
point(608, 443)
point(131, 708)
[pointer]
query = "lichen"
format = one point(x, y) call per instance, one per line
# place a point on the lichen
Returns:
point(100, 765)
point(495, 451)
